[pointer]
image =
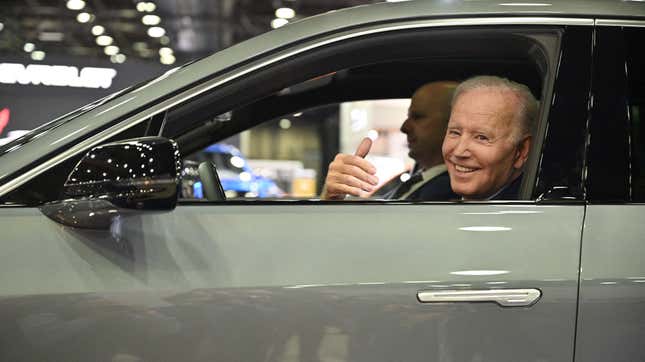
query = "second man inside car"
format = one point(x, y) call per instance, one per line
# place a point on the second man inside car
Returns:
point(425, 128)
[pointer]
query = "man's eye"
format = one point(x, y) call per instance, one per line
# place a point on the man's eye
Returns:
point(453, 132)
point(481, 137)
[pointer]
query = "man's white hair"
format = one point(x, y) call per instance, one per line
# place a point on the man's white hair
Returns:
point(528, 105)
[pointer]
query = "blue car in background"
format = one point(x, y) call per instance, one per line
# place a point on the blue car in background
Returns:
point(237, 177)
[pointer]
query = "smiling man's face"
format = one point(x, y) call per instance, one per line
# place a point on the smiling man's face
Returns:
point(482, 148)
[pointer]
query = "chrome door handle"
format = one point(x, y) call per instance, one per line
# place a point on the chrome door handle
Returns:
point(503, 297)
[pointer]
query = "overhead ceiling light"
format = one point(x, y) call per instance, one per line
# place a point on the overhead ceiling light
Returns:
point(75, 4)
point(146, 53)
point(83, 17)
point(165, 51)
point(118, 58)
point(111, 50)
point(104, 40)
point(285, 13)
point(1, 26)
point(51, 36)
point(164, 40)
point(38, 55)
point(139, 45)
point(285, 123)
point(276, 23)
point(97, 30)
point(146, 7)
point(29, 47)
point(167, 60)
point(150, 19)
point(156, 32)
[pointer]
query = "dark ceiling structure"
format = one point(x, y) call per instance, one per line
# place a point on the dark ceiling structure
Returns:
point(174, 30)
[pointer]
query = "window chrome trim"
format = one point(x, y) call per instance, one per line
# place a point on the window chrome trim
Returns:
point(218, 81)
point(620, 22)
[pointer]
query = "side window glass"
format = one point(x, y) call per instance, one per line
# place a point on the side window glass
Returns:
point(299, 144)
point(286, 157)
point(636, 107)
point(390, 149)
point(275, 135)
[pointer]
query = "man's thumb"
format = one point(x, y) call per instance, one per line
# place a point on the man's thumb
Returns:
point(364, 148)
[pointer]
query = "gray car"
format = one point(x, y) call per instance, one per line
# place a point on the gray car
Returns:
point(102, 260)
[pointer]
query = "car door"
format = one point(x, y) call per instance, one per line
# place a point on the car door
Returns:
point(612, 289)
point(311, 280)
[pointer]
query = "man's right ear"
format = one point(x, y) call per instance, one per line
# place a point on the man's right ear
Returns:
point(522, 152)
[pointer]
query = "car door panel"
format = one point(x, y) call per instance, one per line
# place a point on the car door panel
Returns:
point(293, 283)
point(612, 284)
point(612, 287)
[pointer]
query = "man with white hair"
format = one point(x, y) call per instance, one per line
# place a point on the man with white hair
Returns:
point(488, 137)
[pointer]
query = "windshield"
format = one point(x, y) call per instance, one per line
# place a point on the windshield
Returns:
point(47, 127)
point(223, 161)
point(226, 161)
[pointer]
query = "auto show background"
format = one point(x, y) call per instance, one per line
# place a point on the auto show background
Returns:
point(58, 55)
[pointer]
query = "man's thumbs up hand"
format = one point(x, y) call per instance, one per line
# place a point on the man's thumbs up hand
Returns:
point(350, 174)
point(363, 148)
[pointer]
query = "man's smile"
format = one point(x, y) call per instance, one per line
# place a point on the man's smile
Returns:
point(464, 169)
point(461, 170)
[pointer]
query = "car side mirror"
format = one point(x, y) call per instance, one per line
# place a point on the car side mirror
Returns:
point(119, 179)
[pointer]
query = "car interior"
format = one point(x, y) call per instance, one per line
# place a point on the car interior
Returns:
point(349, 72)
point(373, 78)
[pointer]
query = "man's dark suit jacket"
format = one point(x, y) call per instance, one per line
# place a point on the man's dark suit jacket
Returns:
point(510, 192)
point(436, 189)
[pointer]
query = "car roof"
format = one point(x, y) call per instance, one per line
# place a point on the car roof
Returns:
point(330, 23)
point(585, 8)
point(625, 9)
point(338, 20)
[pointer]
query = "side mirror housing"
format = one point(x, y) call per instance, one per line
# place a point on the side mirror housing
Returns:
point(117, 179)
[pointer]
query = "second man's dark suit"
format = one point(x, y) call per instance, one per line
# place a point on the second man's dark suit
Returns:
point(435, 189)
